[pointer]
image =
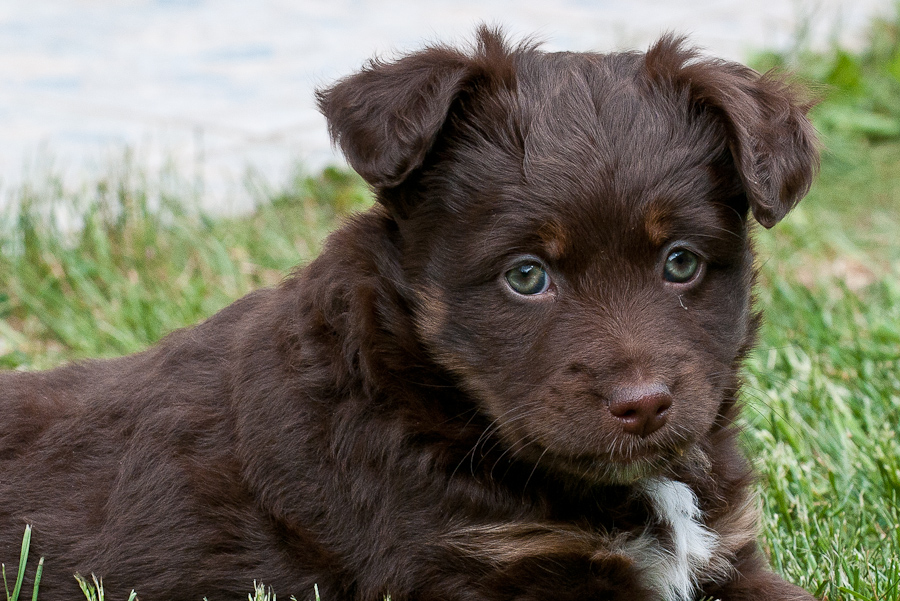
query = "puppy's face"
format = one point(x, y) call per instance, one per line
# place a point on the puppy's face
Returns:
point(583, 267)
point(574, 228)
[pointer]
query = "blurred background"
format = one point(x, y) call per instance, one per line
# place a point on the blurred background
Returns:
point(137, 135)
point(221, 89)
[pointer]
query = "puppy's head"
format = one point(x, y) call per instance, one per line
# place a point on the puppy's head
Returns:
point(575, 227)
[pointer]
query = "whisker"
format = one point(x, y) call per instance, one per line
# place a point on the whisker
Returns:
point(534, 468)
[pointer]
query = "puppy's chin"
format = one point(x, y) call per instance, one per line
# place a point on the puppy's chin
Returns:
point(628, 463)
point(607, 472)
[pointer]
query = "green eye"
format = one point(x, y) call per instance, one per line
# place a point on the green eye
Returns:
point(528, 278)
point(681, 266)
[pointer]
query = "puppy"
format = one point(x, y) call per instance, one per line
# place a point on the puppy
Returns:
point(515, 378)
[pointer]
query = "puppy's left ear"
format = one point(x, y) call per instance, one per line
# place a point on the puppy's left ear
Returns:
point(386, 117)
point(773, 143)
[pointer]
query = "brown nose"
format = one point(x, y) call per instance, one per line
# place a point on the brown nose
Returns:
point(642, 409)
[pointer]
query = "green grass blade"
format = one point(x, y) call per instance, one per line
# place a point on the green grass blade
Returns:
point(87, 588)
point(854, 594)
point(37, 579)
point(23, 558)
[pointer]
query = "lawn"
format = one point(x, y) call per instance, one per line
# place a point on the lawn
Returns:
point(822, 390)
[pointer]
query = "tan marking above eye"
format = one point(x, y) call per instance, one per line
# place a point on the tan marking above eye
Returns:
point(655, 223)
point(555, 240)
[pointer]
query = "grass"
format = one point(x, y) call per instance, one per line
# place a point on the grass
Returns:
point(20, 572)
point(823, 389)
point(93, 589)
point(137, 267)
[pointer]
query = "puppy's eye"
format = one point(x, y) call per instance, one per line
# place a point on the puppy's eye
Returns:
point(681, 266)
point(528, 278)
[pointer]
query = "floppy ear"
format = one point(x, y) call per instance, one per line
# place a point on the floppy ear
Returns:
point(773, 143)
point(386, 117)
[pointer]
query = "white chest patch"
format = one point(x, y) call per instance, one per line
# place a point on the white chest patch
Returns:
point(672, 563)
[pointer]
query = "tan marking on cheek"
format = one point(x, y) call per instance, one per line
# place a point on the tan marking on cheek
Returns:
point(432, 319)
point(656, 221)
point(432, 314)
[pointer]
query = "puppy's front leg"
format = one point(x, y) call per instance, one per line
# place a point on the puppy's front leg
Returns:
point(536, 561)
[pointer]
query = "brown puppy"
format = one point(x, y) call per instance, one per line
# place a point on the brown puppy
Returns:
point(515, 377)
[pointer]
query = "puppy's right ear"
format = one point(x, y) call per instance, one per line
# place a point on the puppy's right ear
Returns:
point(386, 117)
